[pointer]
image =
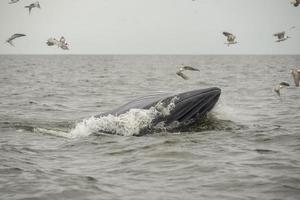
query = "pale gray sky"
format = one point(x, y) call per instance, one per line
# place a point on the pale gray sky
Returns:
point(151, 26)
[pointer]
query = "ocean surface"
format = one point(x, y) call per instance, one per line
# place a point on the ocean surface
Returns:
point(51, 146)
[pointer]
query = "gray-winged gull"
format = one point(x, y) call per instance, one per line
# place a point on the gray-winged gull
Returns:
point(183, 68)
point(281, 36)
point(230, 38)
point(33, 5)
point(280, 86)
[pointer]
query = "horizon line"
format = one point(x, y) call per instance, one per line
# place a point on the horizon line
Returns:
point(75, 54)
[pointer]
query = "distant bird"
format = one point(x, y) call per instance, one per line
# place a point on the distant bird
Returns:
point(295, 2)
point(181, 69)
point(59, 43)
point(52, 41)
point(65, 46)
point(33, 5)
point(280, 86)
point(230, 38)
point(281, 36)
point(296, 76)
point(13, 1)
point(14, 36)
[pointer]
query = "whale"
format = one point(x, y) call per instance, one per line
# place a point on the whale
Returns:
point(187, 108)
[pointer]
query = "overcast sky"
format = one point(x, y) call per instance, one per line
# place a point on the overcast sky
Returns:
point(151, 26)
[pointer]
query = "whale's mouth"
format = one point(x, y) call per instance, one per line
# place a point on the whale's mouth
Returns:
point(189, 107)
point(193, 106)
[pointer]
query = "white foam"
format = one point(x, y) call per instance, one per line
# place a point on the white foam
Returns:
point(128, 124)
point(52, 132)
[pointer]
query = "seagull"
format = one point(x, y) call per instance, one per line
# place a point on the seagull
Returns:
point(230, 38)
point(296, 75)
point(181, 69)
point(13, 1)
point(65, 46)
point(52, 41)
point(295, 2)
point(59, 43)
point(33, 5)
point(281, 36)
point(280, 86)
point(14, 36)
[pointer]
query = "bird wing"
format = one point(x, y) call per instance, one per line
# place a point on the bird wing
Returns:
point(179, 73)
point(13, 1)
point(284, 84)
point(190, 68)
point(14, 36)
point(296, 76)
point(37, 4)
point(227, 33)
point(280, 35)
point(230, 36)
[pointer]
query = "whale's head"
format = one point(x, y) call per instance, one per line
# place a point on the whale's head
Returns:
point(191, 106)
point(181, 109)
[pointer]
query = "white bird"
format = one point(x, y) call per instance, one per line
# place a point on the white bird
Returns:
point(65, 46)
point(33, 5)
point(230, 38)
point(181, 69)
point(296, 76)
point(295, 2)
point(52, 41)
point(14, 36)
point(280, 86)
point(13, 1)
point(59, 43)
point(281, 36)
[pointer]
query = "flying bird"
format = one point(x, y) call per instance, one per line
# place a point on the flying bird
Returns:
point(280, 86)
point(296, 76)
point(230, 38)
point(295, 2)
point(59, 43)
point(13, 1)
point(181, 69)
point(14, 36)
point(281, 36)
point(52, 41)
point(33, 5)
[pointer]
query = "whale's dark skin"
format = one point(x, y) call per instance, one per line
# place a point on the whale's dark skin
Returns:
point(190, 107)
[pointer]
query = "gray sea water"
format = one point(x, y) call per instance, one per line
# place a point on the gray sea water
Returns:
point(249, 148)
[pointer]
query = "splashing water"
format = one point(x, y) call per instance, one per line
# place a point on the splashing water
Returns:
point(130, 123)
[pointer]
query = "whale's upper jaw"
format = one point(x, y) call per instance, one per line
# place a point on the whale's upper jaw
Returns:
point(192, 106)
